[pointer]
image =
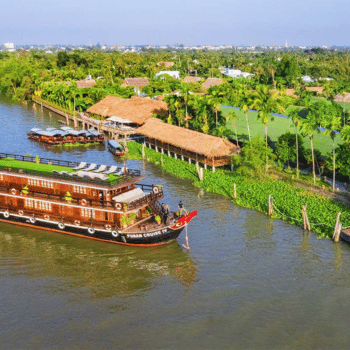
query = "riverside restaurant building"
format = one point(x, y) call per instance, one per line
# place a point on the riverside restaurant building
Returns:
point(188, 144)
point(136, 110)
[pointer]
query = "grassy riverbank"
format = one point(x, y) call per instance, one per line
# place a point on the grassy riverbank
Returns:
point(253, 194)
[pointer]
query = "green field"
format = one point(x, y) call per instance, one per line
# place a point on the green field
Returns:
point(19, 164)
point(276, 127)
point(42, 168)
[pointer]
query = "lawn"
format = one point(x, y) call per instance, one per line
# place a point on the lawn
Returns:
point(44, 168)
point(276, 127)
point(19, 164)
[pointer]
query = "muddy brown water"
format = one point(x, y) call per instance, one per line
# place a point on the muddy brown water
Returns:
point(248, 282)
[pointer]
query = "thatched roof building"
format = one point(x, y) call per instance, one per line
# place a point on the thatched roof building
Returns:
point(83, 83)
point(345, 97)
point(191, 80)
point(165, 64)
point(137, 82)
point(194, 145)
point(211, 82)
point(136, 109)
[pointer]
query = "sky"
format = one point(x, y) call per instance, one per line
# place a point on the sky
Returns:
point(188, 22)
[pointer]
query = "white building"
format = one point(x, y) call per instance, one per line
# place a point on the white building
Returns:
point(9, 47)
point(173, 73)
point(236, 73)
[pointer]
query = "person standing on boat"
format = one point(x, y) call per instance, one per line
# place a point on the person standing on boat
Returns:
point(181, 208)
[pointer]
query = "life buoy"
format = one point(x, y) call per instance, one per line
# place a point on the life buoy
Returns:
point(91, 230)
point(118, 206)
point(20, 212)
point(155, 190)
point(61, 225)
point(83, 202)
point(77, 222)
point(46, 217)
point(32, 219)
point(108, 227)
point(115, 234)
point(13, 191)
point(6, 214)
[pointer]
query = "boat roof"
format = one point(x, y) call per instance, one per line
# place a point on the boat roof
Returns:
point(115, 144)
point(94, 132)
point(60, 170)
point(130, 196)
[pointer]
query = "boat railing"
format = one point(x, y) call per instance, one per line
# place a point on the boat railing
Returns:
point(130, 173)
point(150, 199)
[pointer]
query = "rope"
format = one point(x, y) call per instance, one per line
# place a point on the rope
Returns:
point(314, 224)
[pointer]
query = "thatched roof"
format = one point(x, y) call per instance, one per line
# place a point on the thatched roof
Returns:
point(136, 109)
point(186, 139)
point(345, 97)
point(83, 83)
point(317, 89)
point(138, 82)
point(165, 64)
point(211, 82)
point(191, 80)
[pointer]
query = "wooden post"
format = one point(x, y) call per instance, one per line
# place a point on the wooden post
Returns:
point(143, 151)
point(337, 229)
point(306, 222)
point(270, 206)
point(303, 215)
point(234, 191)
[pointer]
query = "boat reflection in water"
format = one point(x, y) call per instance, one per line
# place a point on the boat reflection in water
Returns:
point(106, 270)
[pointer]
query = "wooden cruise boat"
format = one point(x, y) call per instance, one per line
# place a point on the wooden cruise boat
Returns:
point(86, 200)
point(54, 136)
point(116, 148)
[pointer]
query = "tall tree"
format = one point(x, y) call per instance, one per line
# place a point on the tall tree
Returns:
point(266, 102)
point(294, 114)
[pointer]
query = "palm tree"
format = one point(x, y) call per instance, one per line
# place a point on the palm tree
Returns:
point(244, 103)
point(266, 102)
point(234, 117)
point(332, 124)
point(309, 126)
point(294, 114)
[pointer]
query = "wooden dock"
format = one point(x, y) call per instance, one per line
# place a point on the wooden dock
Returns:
point(83, 121)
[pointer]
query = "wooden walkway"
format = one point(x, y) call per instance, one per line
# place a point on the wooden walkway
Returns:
point(82, 121)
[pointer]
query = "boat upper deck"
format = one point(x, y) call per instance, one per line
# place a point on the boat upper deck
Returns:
point(88, 173)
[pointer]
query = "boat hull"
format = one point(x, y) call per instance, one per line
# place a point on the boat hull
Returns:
point(143, 239)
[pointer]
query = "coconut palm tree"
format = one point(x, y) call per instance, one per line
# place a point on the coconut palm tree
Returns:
point(234, 117)
point(244, 103)
point(332, 124)
point(294, 114)
point(309, 127)
point(266, 102)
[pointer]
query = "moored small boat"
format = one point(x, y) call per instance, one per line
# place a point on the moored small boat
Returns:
point(116, 148)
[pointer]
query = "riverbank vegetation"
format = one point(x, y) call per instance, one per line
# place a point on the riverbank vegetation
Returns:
point(253, 188)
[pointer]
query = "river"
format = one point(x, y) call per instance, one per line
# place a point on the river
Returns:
point(248, 282)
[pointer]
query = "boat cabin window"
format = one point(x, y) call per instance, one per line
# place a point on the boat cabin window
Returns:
point(47, 184)
point(87, 213)
point(30, 203)
point(79, 189)
point(33, 182)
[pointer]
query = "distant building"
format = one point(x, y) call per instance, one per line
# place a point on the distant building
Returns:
point(165, 64)
point(173, 73)
point(10, 47)
point(236, 73)
point(135, 82)
point(211, 82)
point(191, 80)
